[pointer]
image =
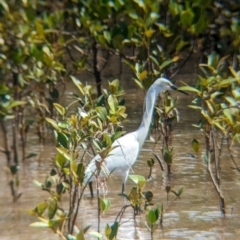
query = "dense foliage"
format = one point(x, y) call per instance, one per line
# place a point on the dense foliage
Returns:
point(44, 44)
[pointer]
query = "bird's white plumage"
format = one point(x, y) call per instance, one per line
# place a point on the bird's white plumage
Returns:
point(120, 159)
point(127, 149)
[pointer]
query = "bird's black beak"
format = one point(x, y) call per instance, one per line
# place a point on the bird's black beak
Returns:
point(176, 89)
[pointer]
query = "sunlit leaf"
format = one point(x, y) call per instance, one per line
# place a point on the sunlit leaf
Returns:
point(102, 113)
point(16, 104)
point(59, 108)
point(148, 33)
point(229, 115)
point(96, 234)
point(80, 236)
point(137, 178)
point(107, 231)
point(60, 160)
point(78, 84)
point(234, 73)
point(41, 207)
point(52, 122)
point(190, 89)
point(232, 101)
point(39, 224)
point(37, 183)
point(195, 107)
point(165, 64)
point(226, 82)
point(64, 152)
point(104, 204)
point(142, 75)
point(66, 185)
point(112, 102)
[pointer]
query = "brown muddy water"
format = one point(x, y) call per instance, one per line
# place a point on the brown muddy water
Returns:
point(195, 215)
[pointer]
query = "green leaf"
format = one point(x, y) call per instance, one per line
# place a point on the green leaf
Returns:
point(195, 107)
point(113, 103)
point(137, 178)
point(14, 169)
point(52, 208)
point(4, 5)
point(60, 160)
point(39, 224)
point(62, 139)
point(104, 204)
point(96, 235)
point(64, 152)
point(102, 113)
point(80, 172)
point(59, 108)
point(190, 89)
point(151, 216)
point(117, 135)
point(114, 86)
point(30, 155)
point(142, 75)
point(228, 115)
point(114, 231)
point(232, 101)
point(70, 237)
point(213, 59)
point(16, 104)
point(148, 33)
point(107, 231)
point(78, 84)
point(52, 122)
point(66, 185)
point(41, 207)
point(195, 145)
point(97, 144)
point(156, 212)
point(37, 183)
point(186, 18)
point(180, 191)
point(107, 36)
point(225, 83)
point(107, 138)
point(165, 64)
point(150, 162)
point(234, 73)
point(80, 236)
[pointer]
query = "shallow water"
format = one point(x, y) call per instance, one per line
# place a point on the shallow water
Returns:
point(195, 215)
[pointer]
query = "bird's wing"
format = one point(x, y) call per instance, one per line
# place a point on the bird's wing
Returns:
point(120, 159)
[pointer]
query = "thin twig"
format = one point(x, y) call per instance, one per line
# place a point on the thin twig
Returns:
point(229, 150)
point(159, 161)
point(181, 66)
point(120, 214)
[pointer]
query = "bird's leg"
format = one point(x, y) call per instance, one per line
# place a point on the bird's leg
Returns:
point(123, 185)
point(91, 188)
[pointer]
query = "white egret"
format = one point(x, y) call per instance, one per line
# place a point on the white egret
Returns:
point(127, 147)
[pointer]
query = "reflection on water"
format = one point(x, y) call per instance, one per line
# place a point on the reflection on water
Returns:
point(195, 215)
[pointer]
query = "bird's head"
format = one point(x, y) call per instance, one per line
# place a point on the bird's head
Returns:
point(164, 84)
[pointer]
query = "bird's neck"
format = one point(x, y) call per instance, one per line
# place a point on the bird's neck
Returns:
point(143, 129)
